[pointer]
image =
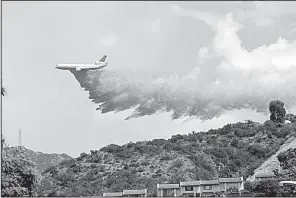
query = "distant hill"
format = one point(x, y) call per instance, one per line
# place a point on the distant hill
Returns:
point(231, 151)
point(43, 160)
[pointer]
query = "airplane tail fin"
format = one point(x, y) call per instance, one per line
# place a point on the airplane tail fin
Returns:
point(103, 59)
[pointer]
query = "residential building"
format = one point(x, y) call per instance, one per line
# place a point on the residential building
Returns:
point(231, 185)
point(135, 193)
point(267, 175)
point(209, 187)
point(201, 188)
point(113, 194)
point(190, 188)
point(168, 190)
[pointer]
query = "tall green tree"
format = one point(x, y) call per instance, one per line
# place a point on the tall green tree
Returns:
point(18, 176)
point(277, 111)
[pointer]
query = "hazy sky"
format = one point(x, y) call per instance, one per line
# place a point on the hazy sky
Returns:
point(54, 112)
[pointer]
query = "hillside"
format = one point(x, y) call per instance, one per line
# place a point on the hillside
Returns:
point(234, 150)
point(42, 160)
point(287, 161)
point(272, 164)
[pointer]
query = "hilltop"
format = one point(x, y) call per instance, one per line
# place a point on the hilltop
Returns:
point(42, 160)
point(231, 151)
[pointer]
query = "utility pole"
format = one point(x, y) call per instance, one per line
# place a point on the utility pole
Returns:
point(20, 138)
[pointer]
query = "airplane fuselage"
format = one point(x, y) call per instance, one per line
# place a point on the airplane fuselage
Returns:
point(78, 67)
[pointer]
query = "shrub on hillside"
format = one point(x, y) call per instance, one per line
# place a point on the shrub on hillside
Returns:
point(65, 179)
point(223, 142)
point(282, 132)
point(270, 125)
point(257, 150)
point(291, 117)
point(177, 164)
point(234, 142)
point(285, 156)
point(265, 188)
point(168, 146)
point(140, 169)
point(242, 145)
point(225, 129)
point(112, 148)
point(244, 132)
point(192, 137)
point(51, 170)
point(82, 156)
point(18, 174)
point(157, 142)
point(293, 134)
point(175, 138)
point(165, 157)
point(217, 152)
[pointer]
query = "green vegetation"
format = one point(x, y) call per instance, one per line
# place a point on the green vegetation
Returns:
point(277, 111)
point(270, 187)
point(287, 160)
point(231, 151)
point(18, 174)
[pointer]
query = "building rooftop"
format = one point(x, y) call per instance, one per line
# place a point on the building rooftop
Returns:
point(210, 182)
point(264, 175)
point(113, 194)
point(168, 186)
point(190, 183)
point(134, 192)
point(230, 180)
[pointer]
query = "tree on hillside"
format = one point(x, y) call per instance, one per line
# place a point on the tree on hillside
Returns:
point(266, 188)
point(18, 176)
point(291, 117)
point(277, 111)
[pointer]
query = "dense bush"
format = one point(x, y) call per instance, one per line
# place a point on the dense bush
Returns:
point(270, 125)
point(165, 157)
point(234, 142)
point(112, 148)
point(225, 129)
point(257, 150)
point(177, 164)
point(282, 132)
point(264, 188)
point(157, 142)
point(244, 132)
point(175, 138)
point(291, 117)
point(18, 174)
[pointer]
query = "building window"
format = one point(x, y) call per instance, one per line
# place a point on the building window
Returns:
point(188, 188)
point(207, 187)
point(168, 192)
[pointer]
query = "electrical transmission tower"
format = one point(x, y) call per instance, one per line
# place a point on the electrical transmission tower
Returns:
point(20, 138)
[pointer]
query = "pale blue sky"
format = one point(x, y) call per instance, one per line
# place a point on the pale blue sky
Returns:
point(50, 107)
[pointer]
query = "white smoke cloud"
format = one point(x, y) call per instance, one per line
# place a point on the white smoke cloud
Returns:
point(228, 77)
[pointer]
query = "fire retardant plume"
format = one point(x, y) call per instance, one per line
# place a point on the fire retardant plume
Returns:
point(227, 77)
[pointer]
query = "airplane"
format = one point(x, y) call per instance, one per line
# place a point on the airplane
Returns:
point(97, 65)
